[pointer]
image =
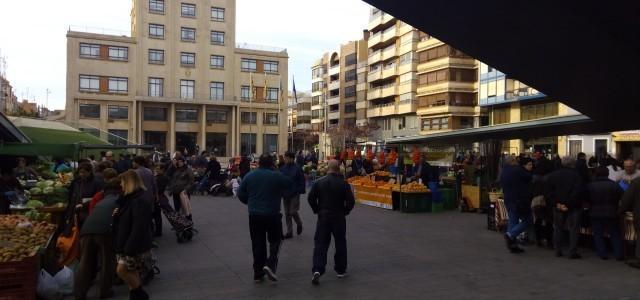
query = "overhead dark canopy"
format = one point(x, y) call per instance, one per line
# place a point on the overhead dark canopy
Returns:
point(584, 54)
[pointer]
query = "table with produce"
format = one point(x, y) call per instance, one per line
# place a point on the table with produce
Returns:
point(44, 199)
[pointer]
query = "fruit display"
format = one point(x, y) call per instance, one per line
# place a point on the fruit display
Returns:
point(412, 187)
point(382, 173)
point(21, 238)
point(366, 181)
point(50, 191)
point(35, 215)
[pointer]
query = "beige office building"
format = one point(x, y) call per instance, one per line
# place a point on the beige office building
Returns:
point(180, 81)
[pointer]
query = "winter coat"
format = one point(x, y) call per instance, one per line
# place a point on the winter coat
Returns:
point(133, 234)
point(150, 183)
point(516, 187)
point(631, 201)
point(182, 180)
point(604, 196)
point(331, 196)
point(293, 172)
point(564, 186)
point(261, 190)
point(101, 217)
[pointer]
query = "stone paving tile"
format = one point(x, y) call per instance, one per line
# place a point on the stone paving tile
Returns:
point(391, 256)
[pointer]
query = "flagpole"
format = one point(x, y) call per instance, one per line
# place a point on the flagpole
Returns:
point(251, 94)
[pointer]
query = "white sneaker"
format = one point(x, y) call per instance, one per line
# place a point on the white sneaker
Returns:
point(271, 274)
point(316, 278)
point(342, 275)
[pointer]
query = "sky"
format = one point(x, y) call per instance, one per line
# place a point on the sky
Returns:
point(32, 35)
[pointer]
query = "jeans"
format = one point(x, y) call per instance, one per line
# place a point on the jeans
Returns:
point(613, 227)
point(263, 229)
point(291, 207)
point(177, 205)
point(435, 194)
point(572, 220)
point(327, 226)
point(518, 223)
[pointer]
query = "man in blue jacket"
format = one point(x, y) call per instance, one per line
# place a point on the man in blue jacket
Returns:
point(516, 186)
point(261, 190)
point(291, 198)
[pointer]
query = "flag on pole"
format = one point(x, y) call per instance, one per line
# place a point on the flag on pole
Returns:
point(264, 91)
point(295, 94)
point(251, 87)
point(281, 99)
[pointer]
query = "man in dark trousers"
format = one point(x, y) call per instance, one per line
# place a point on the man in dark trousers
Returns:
point(291, 198)
point(331, 199)
point(515, 181)
point(564, 193)
point(261, 190)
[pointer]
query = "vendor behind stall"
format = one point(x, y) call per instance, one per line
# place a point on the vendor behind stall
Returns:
point(61, 166)
point(82, 189)
point(23, 172)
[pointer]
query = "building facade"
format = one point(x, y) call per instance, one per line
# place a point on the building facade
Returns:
point(8, 99)
point(179, 82)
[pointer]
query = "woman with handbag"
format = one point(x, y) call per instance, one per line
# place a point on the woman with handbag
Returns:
point(181, 184)
point(133, 237)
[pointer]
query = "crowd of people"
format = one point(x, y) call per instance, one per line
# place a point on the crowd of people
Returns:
point(554, 195)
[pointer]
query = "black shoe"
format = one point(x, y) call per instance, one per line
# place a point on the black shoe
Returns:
point(270, 273)
point(138, 294)
point(604, 257)
point(287, 236)
point(258, 278)
point(558, 254)
point(316, 278)
point(299, 229)
point(575, 256)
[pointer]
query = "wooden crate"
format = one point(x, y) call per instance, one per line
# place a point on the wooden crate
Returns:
point(19, 279)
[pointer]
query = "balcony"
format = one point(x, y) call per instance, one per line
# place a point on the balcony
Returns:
point(445, 107)
point(389, 52)
point(409, 86)
point(389, 71)
point(448, 61)
point(362, 67)
point(334, 85)
point(303, 127)
point(429, 43)
point(316, 93)
point(361, 104)
point(409, 46)
point(304, 113)
point(404, 29)
point(334, 115)
point(383, 92)
point(334, 70)
point(374, 57)
point(408, 67)
point(407, 106)
point(386, 36)
point(374, 75)
point(525, 93)
point(447, 86)
point(378, 20)
point(381, 110)
point(333, 100)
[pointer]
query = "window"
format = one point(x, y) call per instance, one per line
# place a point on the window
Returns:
point(216, 116)
point(435, 124)
point(188, 10)
point(351, 59)
point(158, 139)
point(90, 111)
point(271, 66)
point(156, 31)
point(118, 112)
point(118, 85)
point(187, 88)
point(451, 98)
point(155, 114)
point(466, 122)
point(501, 116)
point(537, 111)
point(350, 108)
point(156, 87)
point(575, 147)
point(89, 83)
point(316, 86)
point(247, 143)
point(350, 91)
point(350, 75)
point(317, 114)
point(188, 59)
point(248, 117)
point(270, 143)
point(270, 119)
point(217, 144)
point(89, 50)
point(217, 61)
point(272, 95)
point(216, 90)
point(187, 115)
point(248, 65)
point(188, 34)
point(245, 93)
point(156, 56)
point(217, 38)
point(406, 58)
point(118, 137)
point(118, 53)
point(217, 14)
point(156, 6)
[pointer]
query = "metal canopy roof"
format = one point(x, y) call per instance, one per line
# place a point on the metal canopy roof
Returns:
point(584, 54)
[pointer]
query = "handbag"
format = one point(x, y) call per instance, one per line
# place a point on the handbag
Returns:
point(69, 246)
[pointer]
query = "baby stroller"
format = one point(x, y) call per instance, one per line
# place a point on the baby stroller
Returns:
point(180, 224)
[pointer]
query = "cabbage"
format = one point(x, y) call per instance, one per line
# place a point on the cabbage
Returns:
point(35, 191)
point(49, 183)
point(47, 190)
point(34, 204)
point(41, 184)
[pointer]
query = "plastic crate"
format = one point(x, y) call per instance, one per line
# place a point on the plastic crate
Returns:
point(415, 202)
point(448, 198)
point(395, 200)
point(19, 279)
point(437, 207)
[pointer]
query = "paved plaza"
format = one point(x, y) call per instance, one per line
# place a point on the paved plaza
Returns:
point(391, 256)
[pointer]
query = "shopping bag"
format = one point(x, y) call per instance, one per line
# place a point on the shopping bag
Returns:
point(47, 286)
point(186, 204)
point(69, 246)
point(64, 279)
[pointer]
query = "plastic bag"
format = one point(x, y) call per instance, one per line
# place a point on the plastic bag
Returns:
point(47, 286)
point(186, 204)
point(64, 279)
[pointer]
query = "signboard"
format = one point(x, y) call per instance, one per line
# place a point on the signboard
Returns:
point(627, 136)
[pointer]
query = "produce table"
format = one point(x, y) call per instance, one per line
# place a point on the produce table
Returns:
point(56, 212)
point(373, 196)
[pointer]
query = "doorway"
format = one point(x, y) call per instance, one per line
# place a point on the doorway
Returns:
point(186, 141)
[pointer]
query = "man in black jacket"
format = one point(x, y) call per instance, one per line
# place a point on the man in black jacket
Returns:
point(564, 191)
point(331, 199)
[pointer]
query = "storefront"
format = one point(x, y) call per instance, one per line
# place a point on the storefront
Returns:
point(627, 144)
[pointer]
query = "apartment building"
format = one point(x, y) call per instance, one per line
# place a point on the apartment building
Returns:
point(180, 81)
point(338, 94)
point(8, 99)
point(392, 76)
point(447, 88)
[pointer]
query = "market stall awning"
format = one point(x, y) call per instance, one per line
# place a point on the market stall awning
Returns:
point(35, 149)
point(51, 142)
point(9, 133)
point(56, 136)
point(552, 126)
